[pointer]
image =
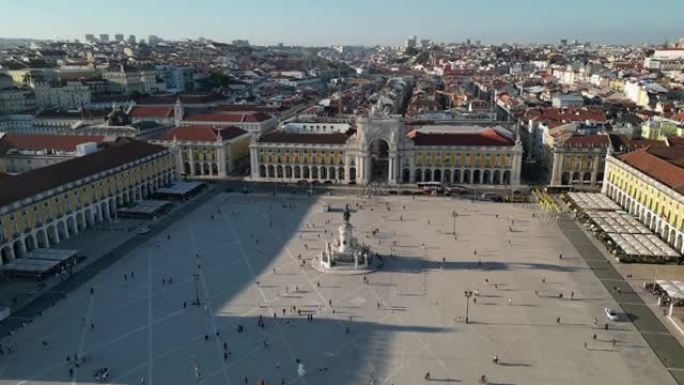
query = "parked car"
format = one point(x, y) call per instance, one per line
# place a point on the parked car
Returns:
point(611, 314)
point(142, 230)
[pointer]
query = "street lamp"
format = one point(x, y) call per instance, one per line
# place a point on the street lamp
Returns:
point(468, 294)
point(454, 214)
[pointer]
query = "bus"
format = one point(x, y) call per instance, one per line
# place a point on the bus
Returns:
point(431, 188)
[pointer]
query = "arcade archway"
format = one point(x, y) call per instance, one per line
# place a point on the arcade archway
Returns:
point(379, 157)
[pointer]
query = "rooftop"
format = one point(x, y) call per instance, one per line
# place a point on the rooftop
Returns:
point(287, 137)
point(460, 136)
point(66, 143)
point(229, 117)
point(665, 164)
point(203, 133)
point(151, 112)
point(42, 179)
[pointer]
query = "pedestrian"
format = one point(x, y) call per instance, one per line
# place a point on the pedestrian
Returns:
point(92, 291)
point(572, 295)
point(605, 326)
point(543, 279)
point(585, 344)
point(558, 320)
point(510, 301)
point(594, 336)
point(92, 326)
point(225, 346)
point(246, 380)
point(71, 372)
point(132, 274)
point(225, 356)
point(206, 337)
point(560, 256)
point(185, 305)
point(142, 380)
point(125, 277)
point(614, 341)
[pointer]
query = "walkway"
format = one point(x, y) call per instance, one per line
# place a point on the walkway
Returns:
point(666, 347)
point(35, 307)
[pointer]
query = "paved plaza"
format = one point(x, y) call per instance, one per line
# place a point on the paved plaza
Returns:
point(250, 258)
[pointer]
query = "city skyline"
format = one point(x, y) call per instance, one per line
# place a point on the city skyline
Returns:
point(312, 23)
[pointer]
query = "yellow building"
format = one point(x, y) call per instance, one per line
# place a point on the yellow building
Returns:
point(579, 160)
point(386, 151)
point(41, 207)
point(207, 151)
point(649, 184)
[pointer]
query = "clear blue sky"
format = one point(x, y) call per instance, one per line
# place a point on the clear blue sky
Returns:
point(323, 22)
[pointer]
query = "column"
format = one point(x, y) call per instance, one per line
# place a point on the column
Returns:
point(191, 160)
point(221, 160)
point(595, 170)
point(412, 170)
point(390, 173)
point(253, 162)
point(517, 164)
point(346, 169)
point(178, 154)
point(557, 171)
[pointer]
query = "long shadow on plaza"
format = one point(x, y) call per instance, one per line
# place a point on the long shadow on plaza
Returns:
point(412, 264)
point(332, 351)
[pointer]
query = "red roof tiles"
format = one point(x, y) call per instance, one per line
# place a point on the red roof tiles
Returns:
point(566, 115)
point(487, 137)
point(203, 133)
point(662, 169)
point(42, 179)
point(160, 112)
point(229, 117)
point(287, 137)
point(45, 142)
point(587, 141)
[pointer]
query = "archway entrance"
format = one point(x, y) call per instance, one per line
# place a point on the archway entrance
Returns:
point(379, 156)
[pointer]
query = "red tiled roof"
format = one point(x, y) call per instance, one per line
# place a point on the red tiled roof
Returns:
point(203, 133)
point(663, 170)
point(566, 114)
point(487, 137)
point(229, 117)
point(678, 117)
point(83, 114)
point(587, 141)
point(287, 137)
point(42, 179)
point(152, 112)
point(45, 142)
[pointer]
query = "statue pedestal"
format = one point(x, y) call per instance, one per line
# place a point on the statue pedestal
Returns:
point(345, 238)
